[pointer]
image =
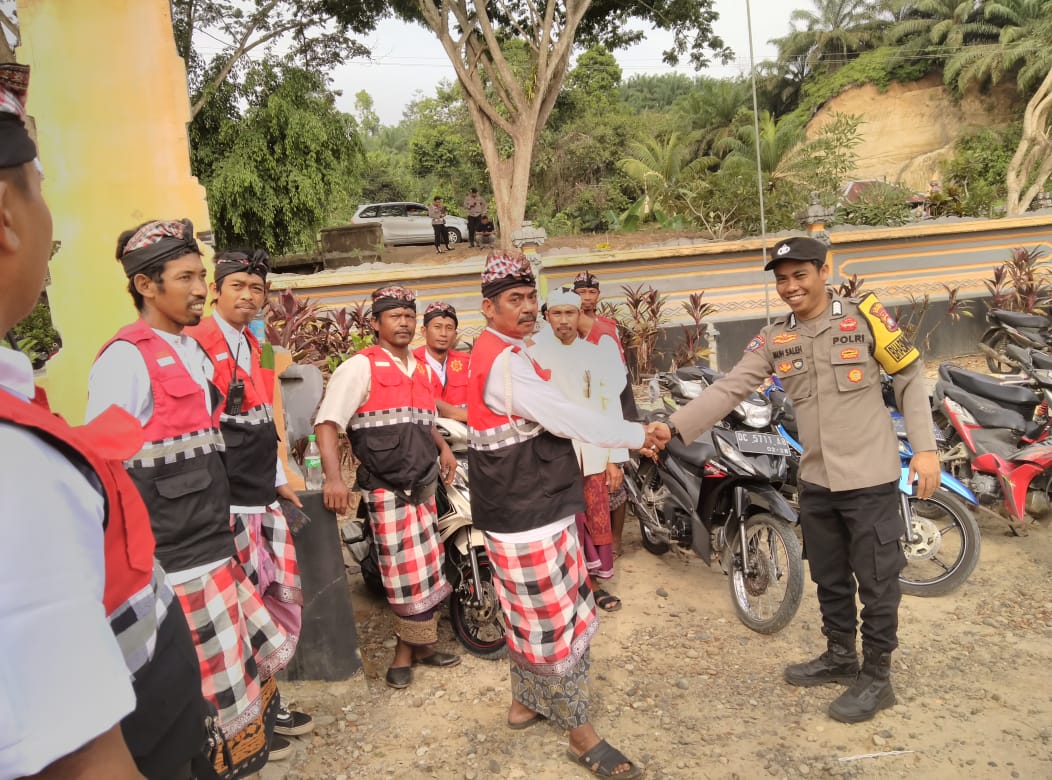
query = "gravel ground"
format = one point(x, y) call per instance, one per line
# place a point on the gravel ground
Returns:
point(680, 685)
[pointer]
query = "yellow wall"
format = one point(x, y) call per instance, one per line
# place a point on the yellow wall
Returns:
point(108, 93)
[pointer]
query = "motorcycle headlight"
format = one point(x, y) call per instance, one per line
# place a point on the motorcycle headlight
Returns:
point(733, 456)
point(690, 388)
point(753, 414)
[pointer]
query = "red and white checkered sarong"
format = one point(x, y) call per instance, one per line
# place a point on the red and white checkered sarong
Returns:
point(267, 553)
point(410, 551)
point(547, 602)
point(238, 643)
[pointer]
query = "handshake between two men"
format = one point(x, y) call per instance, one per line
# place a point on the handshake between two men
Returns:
point(658, 435)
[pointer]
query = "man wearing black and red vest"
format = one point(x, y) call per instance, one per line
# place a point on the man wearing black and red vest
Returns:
point(261, 533)
point(594, 327)
point(161, 376)
point(526, 490)
point(449, 367)
point(66, 492)
point(382, 397)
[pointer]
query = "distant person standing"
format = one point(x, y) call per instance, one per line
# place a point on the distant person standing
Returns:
point(476, 206)
point(438, 212)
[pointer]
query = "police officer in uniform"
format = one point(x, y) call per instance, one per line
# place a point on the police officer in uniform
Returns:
point(828, 354)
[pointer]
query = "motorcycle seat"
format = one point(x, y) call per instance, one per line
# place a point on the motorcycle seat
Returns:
point(1041, 360)
point(696, 454)
point(1016, 398)
point(986, 412)
point(1018, 319)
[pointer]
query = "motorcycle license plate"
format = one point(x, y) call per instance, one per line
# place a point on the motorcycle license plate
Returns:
point(762, 443)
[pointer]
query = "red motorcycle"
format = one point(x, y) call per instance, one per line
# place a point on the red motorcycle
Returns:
point(989, 451)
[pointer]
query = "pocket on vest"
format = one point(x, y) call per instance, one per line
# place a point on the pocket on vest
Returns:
point(184, 483)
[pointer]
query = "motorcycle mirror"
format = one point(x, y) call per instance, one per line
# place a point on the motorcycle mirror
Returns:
point(654, 390)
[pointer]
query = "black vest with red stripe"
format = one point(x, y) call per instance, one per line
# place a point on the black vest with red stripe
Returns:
point(522, 476)
point(391, 433)
point(251, 437)
point(179, 471)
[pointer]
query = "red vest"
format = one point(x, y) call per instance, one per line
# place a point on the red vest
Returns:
point(391, 433)
point(109, 438)
point(604, 326)
point(251, 438)
point(522, 477)
point(179, 470)
point(455, 391)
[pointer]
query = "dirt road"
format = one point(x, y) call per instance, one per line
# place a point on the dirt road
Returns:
point(682, 686)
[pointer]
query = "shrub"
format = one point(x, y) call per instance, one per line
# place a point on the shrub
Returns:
point(878, 204)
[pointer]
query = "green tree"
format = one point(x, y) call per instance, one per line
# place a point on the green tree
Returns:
point(510, 98)
point(831, 34)
point(284, 166)
point(942, 26)
point(655, 92)
point(711, 111)
point(661, 168)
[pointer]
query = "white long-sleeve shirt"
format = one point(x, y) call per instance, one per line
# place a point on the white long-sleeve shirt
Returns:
point(63, 680)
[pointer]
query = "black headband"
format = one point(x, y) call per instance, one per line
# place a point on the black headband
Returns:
point(16, 147)
point(155, 243)
point(232, 262)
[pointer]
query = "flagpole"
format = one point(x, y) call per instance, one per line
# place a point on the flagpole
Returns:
point(759, 168)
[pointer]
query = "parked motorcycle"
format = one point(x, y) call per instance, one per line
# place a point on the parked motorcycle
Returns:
point(719, 496)
point(1010, 327)
point(474, 611)
point(941, 539)
point(998, 449)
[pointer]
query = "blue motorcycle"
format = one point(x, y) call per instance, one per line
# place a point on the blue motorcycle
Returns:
point(941, 538)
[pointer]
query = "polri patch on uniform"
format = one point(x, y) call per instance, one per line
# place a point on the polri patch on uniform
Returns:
point(798, 364)
point(848, 354)
point(756, 343)
point(848, 323)
point(878, 311)
point(785, 338)
point(855, 375)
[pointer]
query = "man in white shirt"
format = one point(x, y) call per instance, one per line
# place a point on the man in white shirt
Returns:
point(64, 685)
point(156, 372)
point(592, 376)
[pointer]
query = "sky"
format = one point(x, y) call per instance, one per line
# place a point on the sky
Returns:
point(408, 58)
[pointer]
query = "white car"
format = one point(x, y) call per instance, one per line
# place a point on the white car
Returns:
point(405, 222)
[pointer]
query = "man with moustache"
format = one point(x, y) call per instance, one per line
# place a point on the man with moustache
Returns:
point(161, 376)
point(449, 367)
point(383, 398)
point(261, 532)
point(526, 491)
point(828, 353)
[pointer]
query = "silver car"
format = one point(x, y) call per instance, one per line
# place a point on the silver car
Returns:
point(405, 222)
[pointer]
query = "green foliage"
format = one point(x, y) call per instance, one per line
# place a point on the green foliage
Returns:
point(879, 67)
point(981, 157)
point(284, 166)
point(36, 335)
point(321, 338)
point(878, 204)
point(1021, 282)
point(655, 92)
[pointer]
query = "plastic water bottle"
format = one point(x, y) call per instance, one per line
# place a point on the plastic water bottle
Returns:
point(312, 464)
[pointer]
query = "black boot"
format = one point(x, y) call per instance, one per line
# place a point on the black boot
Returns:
point(839, 664)
point(871, 692)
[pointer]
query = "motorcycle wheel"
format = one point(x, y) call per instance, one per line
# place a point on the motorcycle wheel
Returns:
point(768, 595)
point(996, 340)
point(947, 546)
point(641, 509)
point(480, 629)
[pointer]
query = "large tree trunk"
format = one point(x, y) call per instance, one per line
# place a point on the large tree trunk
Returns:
point(500, 104)
point(1031, 165)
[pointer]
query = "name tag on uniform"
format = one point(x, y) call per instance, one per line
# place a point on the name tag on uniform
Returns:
point(222, 356)
point(381, 363)
point(167, 360)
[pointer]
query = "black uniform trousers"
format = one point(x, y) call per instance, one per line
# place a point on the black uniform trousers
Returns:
point(853, 536)
point(473, 226)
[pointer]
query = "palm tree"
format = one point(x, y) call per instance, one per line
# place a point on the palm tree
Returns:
point(780, 144)
point(661, 167)
point(943, 25)
point(709, 112)
point(1019, 48)
point(831, 34)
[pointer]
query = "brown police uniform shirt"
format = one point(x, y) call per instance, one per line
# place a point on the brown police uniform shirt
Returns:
point(827, 368)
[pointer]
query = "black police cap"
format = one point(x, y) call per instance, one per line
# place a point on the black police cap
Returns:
point(797, 248)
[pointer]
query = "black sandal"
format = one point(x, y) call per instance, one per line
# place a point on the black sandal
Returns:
point(607, 602)
point(603, 759)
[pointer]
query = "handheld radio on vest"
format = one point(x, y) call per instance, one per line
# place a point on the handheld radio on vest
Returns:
point(235, 393)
